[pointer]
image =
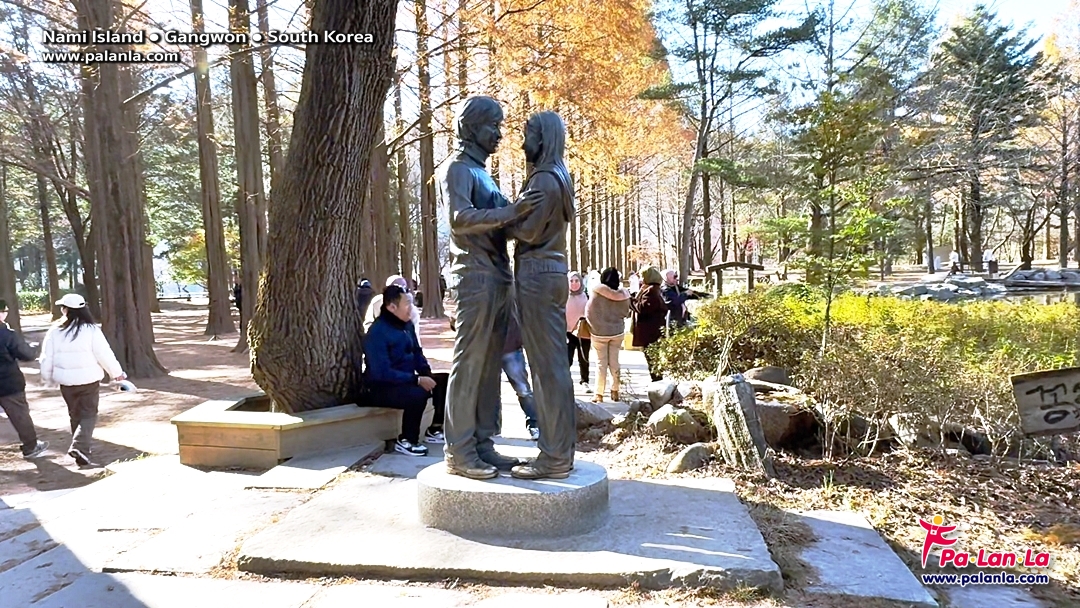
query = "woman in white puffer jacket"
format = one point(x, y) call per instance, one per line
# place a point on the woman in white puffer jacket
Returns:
point(74, 355)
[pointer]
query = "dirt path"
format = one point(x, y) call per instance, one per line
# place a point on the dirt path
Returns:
point(132, 424)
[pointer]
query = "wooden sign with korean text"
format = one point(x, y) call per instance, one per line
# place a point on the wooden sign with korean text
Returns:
point(1048, 401)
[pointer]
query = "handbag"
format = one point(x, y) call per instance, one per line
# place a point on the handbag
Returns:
point(583, 331)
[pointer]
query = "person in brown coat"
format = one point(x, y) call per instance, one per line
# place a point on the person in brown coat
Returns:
point(650, 314)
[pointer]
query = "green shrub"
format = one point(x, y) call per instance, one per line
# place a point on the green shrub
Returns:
point(34, 301)
point(929, 362)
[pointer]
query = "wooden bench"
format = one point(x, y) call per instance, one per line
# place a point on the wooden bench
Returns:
point(218, 434)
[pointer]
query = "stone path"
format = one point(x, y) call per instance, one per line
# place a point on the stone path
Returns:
point(155, 533)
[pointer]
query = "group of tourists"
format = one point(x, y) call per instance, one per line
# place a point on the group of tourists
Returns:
point(75, 356)
point(596, 311)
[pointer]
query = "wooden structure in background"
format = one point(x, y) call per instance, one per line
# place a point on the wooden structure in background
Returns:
point(721, 267)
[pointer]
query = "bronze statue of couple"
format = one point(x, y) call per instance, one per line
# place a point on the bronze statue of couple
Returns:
point(482, 221)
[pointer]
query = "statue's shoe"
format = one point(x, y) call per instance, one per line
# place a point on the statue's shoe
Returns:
point(540, 470)
point(500, 462)
point(477, 470)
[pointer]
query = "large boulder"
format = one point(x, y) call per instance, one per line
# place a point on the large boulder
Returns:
point(786, 425)
point(769, 373)
point(913, 290)
point(761, 386)
point(691, 457)
point(965, 281)
point(928, 433)
point(663, 392)
point(591, 414)
point(677, 424)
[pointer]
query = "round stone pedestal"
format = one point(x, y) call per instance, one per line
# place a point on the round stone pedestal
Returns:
point(514, 508)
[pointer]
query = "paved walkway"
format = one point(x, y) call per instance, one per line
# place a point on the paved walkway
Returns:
point(155, 533)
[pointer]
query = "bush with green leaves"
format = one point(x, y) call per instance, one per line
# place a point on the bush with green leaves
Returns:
point(34, 302)
point(929, 362)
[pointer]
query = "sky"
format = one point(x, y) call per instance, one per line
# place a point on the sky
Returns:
point(1041, 15)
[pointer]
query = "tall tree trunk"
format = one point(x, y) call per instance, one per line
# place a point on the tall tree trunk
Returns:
point(8, 290)
point(429, 254)
point(113, 184)
point(50, 247)
point(401, 170)
point(973, 251)
point(82, 230)
point(706, 225)
point(274, 136)
point(572, 243)
point(1048, 241)
point(1063, 198)
point(385, 241)
point(132, 114)
point(250, 194)
point(929, 210)
point(219, 320)
point(691, 195)
point(302, 360)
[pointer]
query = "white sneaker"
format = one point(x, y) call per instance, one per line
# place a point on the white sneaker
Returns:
point(39, 449)
point(408, 448)
point(534, 433)
point(431, 436)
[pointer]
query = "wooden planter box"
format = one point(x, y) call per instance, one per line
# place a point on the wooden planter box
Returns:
point(228, 433)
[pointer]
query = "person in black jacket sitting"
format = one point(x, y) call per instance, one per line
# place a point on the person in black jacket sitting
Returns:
point(399, 376)
point(13, 386)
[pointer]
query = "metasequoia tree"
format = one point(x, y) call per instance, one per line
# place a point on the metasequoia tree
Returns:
point(306, 334)
point(610, 128)
point(118, 220)
point(429, 250)
point(250, 194)
point(274, 135)
point(219, 320)
point(7, 269)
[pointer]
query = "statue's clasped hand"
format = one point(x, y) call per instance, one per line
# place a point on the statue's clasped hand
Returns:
point(528, 201)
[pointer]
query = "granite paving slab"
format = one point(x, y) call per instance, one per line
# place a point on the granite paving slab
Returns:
point(14, 522)
point(393, 464)
point(387, 596)
point(40, 576)
point(995, 596)
point(686, 532)
point(198, 543)
point(536, 600)
point(21, 501)
point(25, 546)
point(145, 590)
point(313, 471)
point(849, 557)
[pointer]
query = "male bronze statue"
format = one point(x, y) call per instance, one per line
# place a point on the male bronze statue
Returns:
point(481, 265)
point(540, 267)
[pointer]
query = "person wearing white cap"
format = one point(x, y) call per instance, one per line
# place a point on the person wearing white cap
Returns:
point(73, 355)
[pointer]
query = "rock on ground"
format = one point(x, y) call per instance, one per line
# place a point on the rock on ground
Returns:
point(691, 457)
point(785, 425)
point(591, 414)
point(663, 392)
point(678, 424)
point(640, 407)
point(769, 373)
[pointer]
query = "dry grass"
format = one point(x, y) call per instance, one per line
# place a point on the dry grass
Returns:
point(999, 505)
point(786, 536)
